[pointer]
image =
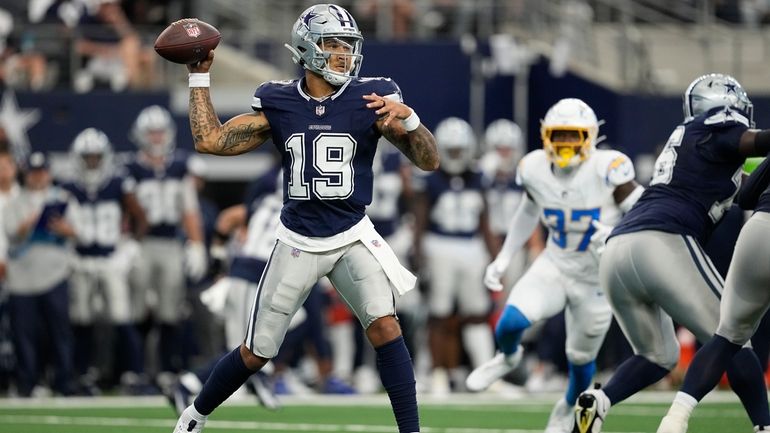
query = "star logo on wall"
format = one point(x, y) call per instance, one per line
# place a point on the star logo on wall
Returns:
point(17, 122)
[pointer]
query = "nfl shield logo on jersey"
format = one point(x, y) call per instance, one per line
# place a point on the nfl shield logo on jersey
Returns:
point(320, 110)
point(192, 30)
point(295, 252)
point(376, 243)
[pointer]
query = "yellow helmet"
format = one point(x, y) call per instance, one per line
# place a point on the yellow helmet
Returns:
point(569, 114)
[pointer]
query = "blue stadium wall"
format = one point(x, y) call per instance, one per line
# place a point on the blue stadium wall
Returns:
point(435, 80)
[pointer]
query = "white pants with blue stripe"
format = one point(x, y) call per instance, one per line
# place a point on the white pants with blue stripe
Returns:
point(652, 277)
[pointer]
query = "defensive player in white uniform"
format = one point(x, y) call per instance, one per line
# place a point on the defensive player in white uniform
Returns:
point(326, 126)
point(654, 269)
point(572, 187)
point(166, 192)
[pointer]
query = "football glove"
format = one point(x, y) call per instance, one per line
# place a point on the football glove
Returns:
point(195, 260)
point(599, 238)
point(492, 277)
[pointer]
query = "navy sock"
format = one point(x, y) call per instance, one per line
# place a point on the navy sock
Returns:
point(633, 375)
point(707, 367)
point(748, 382)
point(204, 372)
point(579, 380)
point(397, 377)
point(228, 375)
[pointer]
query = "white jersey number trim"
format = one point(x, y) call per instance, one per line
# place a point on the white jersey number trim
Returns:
point(159, 198)
point(99, 224)
point(664, 165)
point(332, 158)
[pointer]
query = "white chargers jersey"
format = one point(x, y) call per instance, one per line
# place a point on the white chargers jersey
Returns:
point(569, 204)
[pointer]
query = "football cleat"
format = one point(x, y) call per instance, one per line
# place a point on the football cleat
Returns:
point(672, 424)
point(180, 397)
point(187, 423)
point(561, 419)
point(261, 386)
point(591, 408)
point(489, 372)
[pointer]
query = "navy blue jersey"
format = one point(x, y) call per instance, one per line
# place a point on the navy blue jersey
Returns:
point(696, 177)
point(384, 211)
point(455, 202)
point(99, 217)
point(503, 198)
point(327, 149)
point(160, 193)
point(260, 187)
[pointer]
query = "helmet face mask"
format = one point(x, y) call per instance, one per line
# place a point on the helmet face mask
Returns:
point(326, 40)
point(91, 153)
point(716, 90)
point(569, 133)
point(154, 131)
point(456, 145)
point(505, 138)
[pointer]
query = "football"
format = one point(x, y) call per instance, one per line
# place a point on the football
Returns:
point(187, 41)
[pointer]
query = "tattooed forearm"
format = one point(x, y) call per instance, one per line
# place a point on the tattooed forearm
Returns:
point(419, 146)
point(237, 139)
point(203, 118)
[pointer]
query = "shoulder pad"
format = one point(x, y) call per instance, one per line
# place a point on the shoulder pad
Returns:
point(615, 167)
point(528, 163)
point(266, 89)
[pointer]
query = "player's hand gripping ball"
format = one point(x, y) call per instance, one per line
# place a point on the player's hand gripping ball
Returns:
point(187, 41)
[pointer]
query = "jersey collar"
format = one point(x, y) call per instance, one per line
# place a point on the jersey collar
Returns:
point(333, 96)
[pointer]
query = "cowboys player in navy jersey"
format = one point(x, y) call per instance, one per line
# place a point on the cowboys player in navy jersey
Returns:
point(104, 198)
point(745, 300)
point(654, 269)
point(325, 126)
point(166, 192)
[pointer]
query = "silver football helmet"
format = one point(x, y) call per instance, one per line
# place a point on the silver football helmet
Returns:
point(323, 34)
point(569, 115)
point(504, 137)
point(91, 155)
point(456, 144)
point(716, 90)
point(154, 131)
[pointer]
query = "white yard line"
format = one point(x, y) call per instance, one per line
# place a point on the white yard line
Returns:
point(237, 425)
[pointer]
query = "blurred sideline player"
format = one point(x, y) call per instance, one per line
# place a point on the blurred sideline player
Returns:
point(504, 148)
point(745, 301)
point(572, 187)
point(105, 199)
point(451, 233)
point(166, 192)
point(326, 126)
point(654, 269)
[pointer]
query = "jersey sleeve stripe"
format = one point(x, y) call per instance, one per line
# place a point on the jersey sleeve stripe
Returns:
point(256, 103)
point(393, 96)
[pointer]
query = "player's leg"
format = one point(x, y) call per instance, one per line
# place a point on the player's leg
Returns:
point(171, 288)
point(744, 302)
point(114, 283)
point(587, 318)
point(624, 263)
point(473, 305)
point(285, 283)
point(539, 294)
point(443, 258)
point(82, 290)
point(361, 282)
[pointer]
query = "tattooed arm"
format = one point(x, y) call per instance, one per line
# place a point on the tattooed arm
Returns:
point(418, 145)
point(238, 135)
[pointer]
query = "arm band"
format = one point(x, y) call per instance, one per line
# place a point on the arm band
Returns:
point(197, 79)
point(412, 122)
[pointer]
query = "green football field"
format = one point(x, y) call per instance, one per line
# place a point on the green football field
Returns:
point(486, 413)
